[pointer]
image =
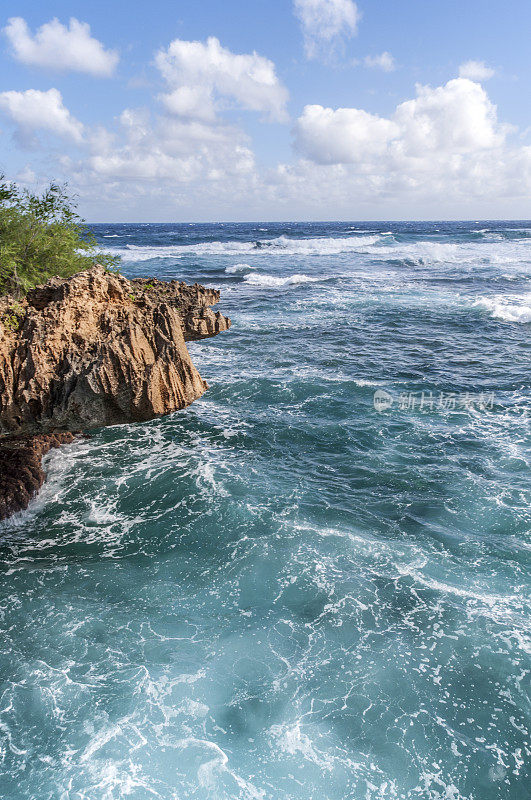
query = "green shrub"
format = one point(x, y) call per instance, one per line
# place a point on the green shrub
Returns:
point(42, 236)
point(12, 316)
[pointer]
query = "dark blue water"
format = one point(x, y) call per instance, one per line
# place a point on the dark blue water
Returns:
point(282, 593)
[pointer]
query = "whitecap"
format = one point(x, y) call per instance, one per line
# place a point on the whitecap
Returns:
point(273, 282)
point(320, 245)
point(238, 268)
point(363, 382)
point(509, 309)
point(324, 246)
point(484, 251)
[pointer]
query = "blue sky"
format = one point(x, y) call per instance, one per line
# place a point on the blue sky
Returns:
point(311, 109)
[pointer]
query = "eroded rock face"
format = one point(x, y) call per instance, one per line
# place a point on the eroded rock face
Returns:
point(97, 350)
point(193, 303)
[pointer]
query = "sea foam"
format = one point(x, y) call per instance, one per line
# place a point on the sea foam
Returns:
point(509, 309)
point(273, 282)
point(282, 245)
point(238, 268)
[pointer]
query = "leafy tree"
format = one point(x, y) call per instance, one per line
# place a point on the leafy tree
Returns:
point(42, 236)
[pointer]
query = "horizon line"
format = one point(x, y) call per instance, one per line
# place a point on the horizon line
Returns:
point(474, 221)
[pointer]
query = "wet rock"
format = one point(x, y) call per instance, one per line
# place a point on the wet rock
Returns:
point(21, 472)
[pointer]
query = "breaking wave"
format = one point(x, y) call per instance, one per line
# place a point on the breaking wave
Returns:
point(383, 246)
point(274, 283)
point(236, 268)
point(509, 309)
point(283, 245)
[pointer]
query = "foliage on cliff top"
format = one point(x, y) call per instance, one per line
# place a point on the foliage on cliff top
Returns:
point(42, 236)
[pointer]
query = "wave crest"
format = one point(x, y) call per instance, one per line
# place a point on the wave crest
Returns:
point(281, 244)
point(273, 282)
point(515, 309)
point(238, 268)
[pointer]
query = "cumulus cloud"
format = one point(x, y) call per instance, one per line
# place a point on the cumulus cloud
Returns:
point(492, 183)
point(443, 153)
point(457, 118)
point(149, 166)
point(342, 136)
point(192, 102)
point(326, 24)
point(475, 71)
point(200, 73)
point(189, 143)
point(168, 150)
point(35, 110)
point(26, 175)
point(445, 148)
point(385, 61)
point(54, 46)
point(446, 145)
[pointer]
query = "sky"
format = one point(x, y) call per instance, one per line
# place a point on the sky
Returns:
point(174, 111)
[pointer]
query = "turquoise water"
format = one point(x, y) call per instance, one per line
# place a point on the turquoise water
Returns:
point(282, 593)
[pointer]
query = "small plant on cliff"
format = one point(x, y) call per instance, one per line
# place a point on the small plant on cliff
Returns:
point(12, 316)
point(42, 236)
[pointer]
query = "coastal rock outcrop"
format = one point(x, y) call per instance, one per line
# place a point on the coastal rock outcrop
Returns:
point(193, 303)
point(95, 350)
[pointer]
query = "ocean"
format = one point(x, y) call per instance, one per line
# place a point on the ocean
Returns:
point(314, 583)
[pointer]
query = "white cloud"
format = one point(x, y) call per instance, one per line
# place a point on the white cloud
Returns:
point(192, 102)
point(442, 153)
point(326, 23)
point(384, 61)
point(164, 167)
point(475, 71)
point(57, 47)
point(342, 136)
point(169, 150)
point(187, 145)
point(198, 74)
point(35, 110)
point(190, 144)
point(492, 184)
point(26, 175)
point(454, 119)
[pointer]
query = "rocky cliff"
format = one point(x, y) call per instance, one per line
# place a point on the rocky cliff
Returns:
point(97, 350)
